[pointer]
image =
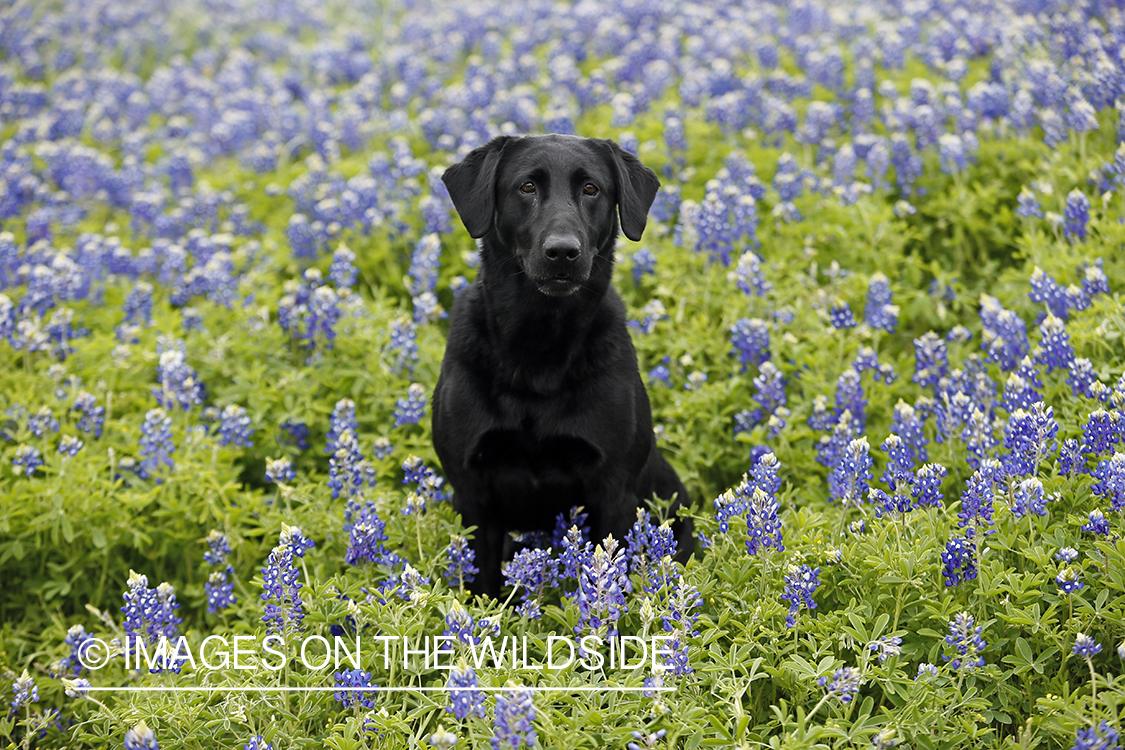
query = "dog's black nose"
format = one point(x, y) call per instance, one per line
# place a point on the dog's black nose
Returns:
point(560, 248)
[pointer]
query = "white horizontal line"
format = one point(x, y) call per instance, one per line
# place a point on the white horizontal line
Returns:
point(373, 689)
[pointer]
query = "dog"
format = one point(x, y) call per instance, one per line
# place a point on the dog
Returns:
point(540, 406)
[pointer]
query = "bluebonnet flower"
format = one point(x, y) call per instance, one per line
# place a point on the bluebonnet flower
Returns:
point(747, 275)
point(763, 524)
point(927, 485)
point(769, 387)
point(977, 498)
point(427, 482)
point(409, 581)
point(512, 725)
point(280, 579)
point(644, 262)
point(141, 737)
point(91, 416)
point(218, 548)
point(1004, 338)
point(1068, 582)
point(647, 547)
point(150, 614)
point(840, 315)
point(931, 360)
point(801, 582)
point(602, 585)
point(1028, 497)
point(343, 420)
point(353, 682)
point(966, 641)
point(695, 380)
point(661, 374)
point(898, 475)
point(460, 557)
point(1019, 392)
point(1054, 350)
point(1076, 213)
point(42, 422)
point(365, 537)
point(681, 617)
point(412, 408)
point(69, 446)
point(27, 460)
point(219, 590)
point(403, 345)
point(427, 308)
point(280, 470)
point(843, 684)
point(821, 418)
point(1097, 523)
point(442, 738)
point(649, 740)
point(959, 334)
point(343, 272)
point(535, 570)
point(959, 560)
point(425, 263)
point(1102, 432)
point(851, 398)
point(1102, 737)
point(879, 312)
point(156, 446)
point(234, 427)
point(258, 742)
point(76, 639)
point(1094, 280)
point(751, 340)
point(886, 647)
point(296, 433)
point(1028, 206)
point(180, 385)
point(952, 151)
point(907, 425)
point(1085, 646)
point(865, 359)
point(465, 699)
point(1081, 378)
point(1029, 437)
point(459, 624)
point(926, 669)
point(348, 471)
point(848, 481)
point(381, 448)
point(25, 690)
point(1067, 554)
point(1045, 290)
point(76, 688)
point(653, 312)
point(1110, 481)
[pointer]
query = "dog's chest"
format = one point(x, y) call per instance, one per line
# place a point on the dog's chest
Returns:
point(532, 478)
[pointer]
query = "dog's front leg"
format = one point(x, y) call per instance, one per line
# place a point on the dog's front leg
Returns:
point(613, 510)
point(487, 544)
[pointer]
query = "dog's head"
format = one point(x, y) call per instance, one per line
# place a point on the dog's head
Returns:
point(553, 202)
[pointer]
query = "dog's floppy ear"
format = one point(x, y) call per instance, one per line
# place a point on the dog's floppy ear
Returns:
point(472, 186)
point(636, 190)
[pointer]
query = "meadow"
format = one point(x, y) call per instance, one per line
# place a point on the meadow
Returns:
point(877, 305)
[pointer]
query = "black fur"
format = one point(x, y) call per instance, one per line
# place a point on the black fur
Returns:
point(540, 406)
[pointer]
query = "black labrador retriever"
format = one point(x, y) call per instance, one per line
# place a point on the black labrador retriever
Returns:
point(540, 406)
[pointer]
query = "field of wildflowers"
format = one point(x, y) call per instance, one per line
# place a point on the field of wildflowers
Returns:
point(878, 306)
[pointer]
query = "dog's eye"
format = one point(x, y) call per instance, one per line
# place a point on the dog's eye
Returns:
point(590, 189)
point(527, 188)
